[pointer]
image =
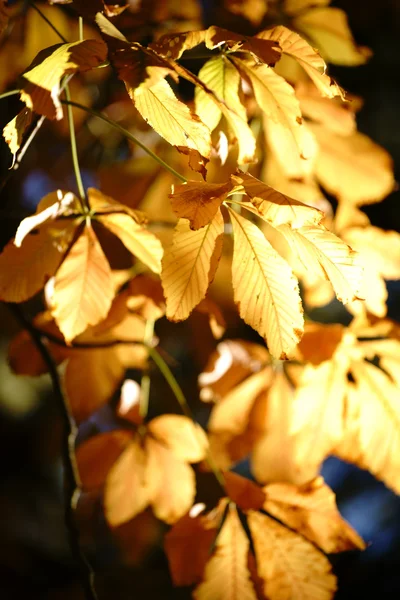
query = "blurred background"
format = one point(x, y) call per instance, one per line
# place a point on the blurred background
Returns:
point(34, 553)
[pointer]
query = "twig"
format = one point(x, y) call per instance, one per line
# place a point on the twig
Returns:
point(9, 93)
point(128, 135)
point(71, 474)
point(145, 381)
point(49, 23)
point(81, 345)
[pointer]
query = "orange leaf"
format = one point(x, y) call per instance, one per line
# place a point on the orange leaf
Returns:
point(181, 435)
point(198, 201)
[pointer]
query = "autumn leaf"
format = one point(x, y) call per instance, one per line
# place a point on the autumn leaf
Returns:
point(230, 556)
point(143, 244)
point(252, 10)
point(290, 566)
point(25, 270)
point(327, 257)
point(156, 471)
point(338, 117)
point(275, 207)
point(83, 287)
point(311, 510)
point(286, 133)
point(222, 78)
point(295, 46)
point(198, 201)
point(366, 172)
point(189, 266)
point(265, 289)
point(13, 132)
point(41, 81)
point(173, 45)
point(267, 51)
point(328, 29)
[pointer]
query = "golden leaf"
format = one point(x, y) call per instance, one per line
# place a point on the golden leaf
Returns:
point(41, 81)
point(275, 207)
point(338, 117)
point(184, 438)
point(286, 133)
point(366, 170)
point(14, 131)
point(293, 7)
point(265, 289)
point(96, 456)
point(174, 121)
point(198, 201)
point(189, 266)
point(229, 557)
point(325, 256)
point(328, 29)
point(172, 482)
point(267, 51)
point(223, 79)
point(143, 244)
point(295, 46)
point(173, 45)
point(128, 488)
point(290, 566)
point(25, 270)
point(311, 510)
point(83, 287)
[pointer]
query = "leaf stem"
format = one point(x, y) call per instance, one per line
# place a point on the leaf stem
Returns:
point(74, 150)
point(145, 381)
point(128, 135)
point(9, 93)
point(71, 473)
point(49, 23)
point(80, 21)
point(180, 396)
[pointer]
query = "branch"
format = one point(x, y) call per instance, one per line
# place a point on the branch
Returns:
point(71, 474)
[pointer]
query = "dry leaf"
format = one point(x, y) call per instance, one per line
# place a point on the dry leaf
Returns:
point(230, 556)
point(243, 492)
point(267, 51)
point(198, 201)
point(290, 566)
point(265, 289)
point(41, 81)
point(13, 132)
point(189, 266)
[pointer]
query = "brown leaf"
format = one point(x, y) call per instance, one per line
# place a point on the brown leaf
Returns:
point(265, 50)
point(311, 510)
point(173, 45)
point(215, 317)
point(290, 566)
point(243, 492)
point(199, 201)
point(146, 297)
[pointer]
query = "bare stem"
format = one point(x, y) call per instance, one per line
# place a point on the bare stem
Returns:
point(128, 135)
point(80, 28)
point(180, 396)
point(74, 150)
point(71, 474)
point(9, 93)
point(145, 382)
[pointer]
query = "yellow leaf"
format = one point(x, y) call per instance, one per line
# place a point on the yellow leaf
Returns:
point(173, 45)
point(293, 7)
point(290, 566)
point(327, 257)
point(227, 576)
point(41, 81)
point(14, 131)
point(328, 29)
point(172, 482)
point(295, 46)
point(185, 439)
point(338, 117)
point(83, 287)
point(275, 207)
point(293, 144)
point(198, 201)
point(311, 510)
point(139, 241)
point(189, 266)
point(128, 490)
point(100, 204)
point(219, 75)
point(24, 271)
point(174, 121)
point(374, 420)
point(366, 169)
point(265, 289)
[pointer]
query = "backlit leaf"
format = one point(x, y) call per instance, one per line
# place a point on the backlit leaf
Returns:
point(295, 46)
point(41, 81)
point(14, 131)
point(267, 51)
point(311, 510)
point(265, 289)
point(83, 287)
point(290, 566)
point(143, 244)
point(189, 266)
point(183, 437)
point(173, 45)
point(198, 201)
point(226, 576)
point(327, 257)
